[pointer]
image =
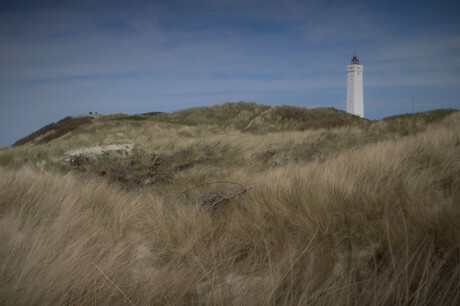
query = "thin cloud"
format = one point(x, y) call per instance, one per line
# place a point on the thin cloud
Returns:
point(149, 55)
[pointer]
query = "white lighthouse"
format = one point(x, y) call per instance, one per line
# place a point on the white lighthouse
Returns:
point(355, 97)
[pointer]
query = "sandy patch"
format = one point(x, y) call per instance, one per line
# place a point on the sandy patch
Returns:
point(121, 149)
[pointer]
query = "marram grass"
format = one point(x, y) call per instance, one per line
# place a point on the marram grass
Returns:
point(373, 222)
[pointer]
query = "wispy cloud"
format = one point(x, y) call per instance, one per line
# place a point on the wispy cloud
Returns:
point(71, 55)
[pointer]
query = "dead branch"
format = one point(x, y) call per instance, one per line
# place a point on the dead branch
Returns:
point(210, 183)
point(151, 167)
point(213, 199)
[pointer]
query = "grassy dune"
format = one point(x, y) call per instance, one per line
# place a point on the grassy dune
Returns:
point(364, 213)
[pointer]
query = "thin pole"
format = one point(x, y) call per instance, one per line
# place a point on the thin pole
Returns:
point(413, 104)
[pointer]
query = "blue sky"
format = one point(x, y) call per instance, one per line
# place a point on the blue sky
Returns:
point(60, 58)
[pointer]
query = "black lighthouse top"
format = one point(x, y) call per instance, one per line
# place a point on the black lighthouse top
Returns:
point(355, 60)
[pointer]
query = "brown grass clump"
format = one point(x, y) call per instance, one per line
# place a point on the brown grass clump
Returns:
point(376, 222)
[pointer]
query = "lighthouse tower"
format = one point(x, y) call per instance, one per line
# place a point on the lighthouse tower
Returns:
point(355, 98)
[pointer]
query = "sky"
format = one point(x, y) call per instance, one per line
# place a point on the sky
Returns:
point(61, 58)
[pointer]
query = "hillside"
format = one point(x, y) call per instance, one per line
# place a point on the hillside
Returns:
point(238, 204)
point(248, 117)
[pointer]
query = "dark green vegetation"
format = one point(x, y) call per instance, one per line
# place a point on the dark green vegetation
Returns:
point(333, 133)
point(151, 167)
point(237, 115)
point(253, 118)
point(54, 130)
point(409, 123)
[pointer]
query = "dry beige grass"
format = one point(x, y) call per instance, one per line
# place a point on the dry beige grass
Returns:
point(373, 224)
